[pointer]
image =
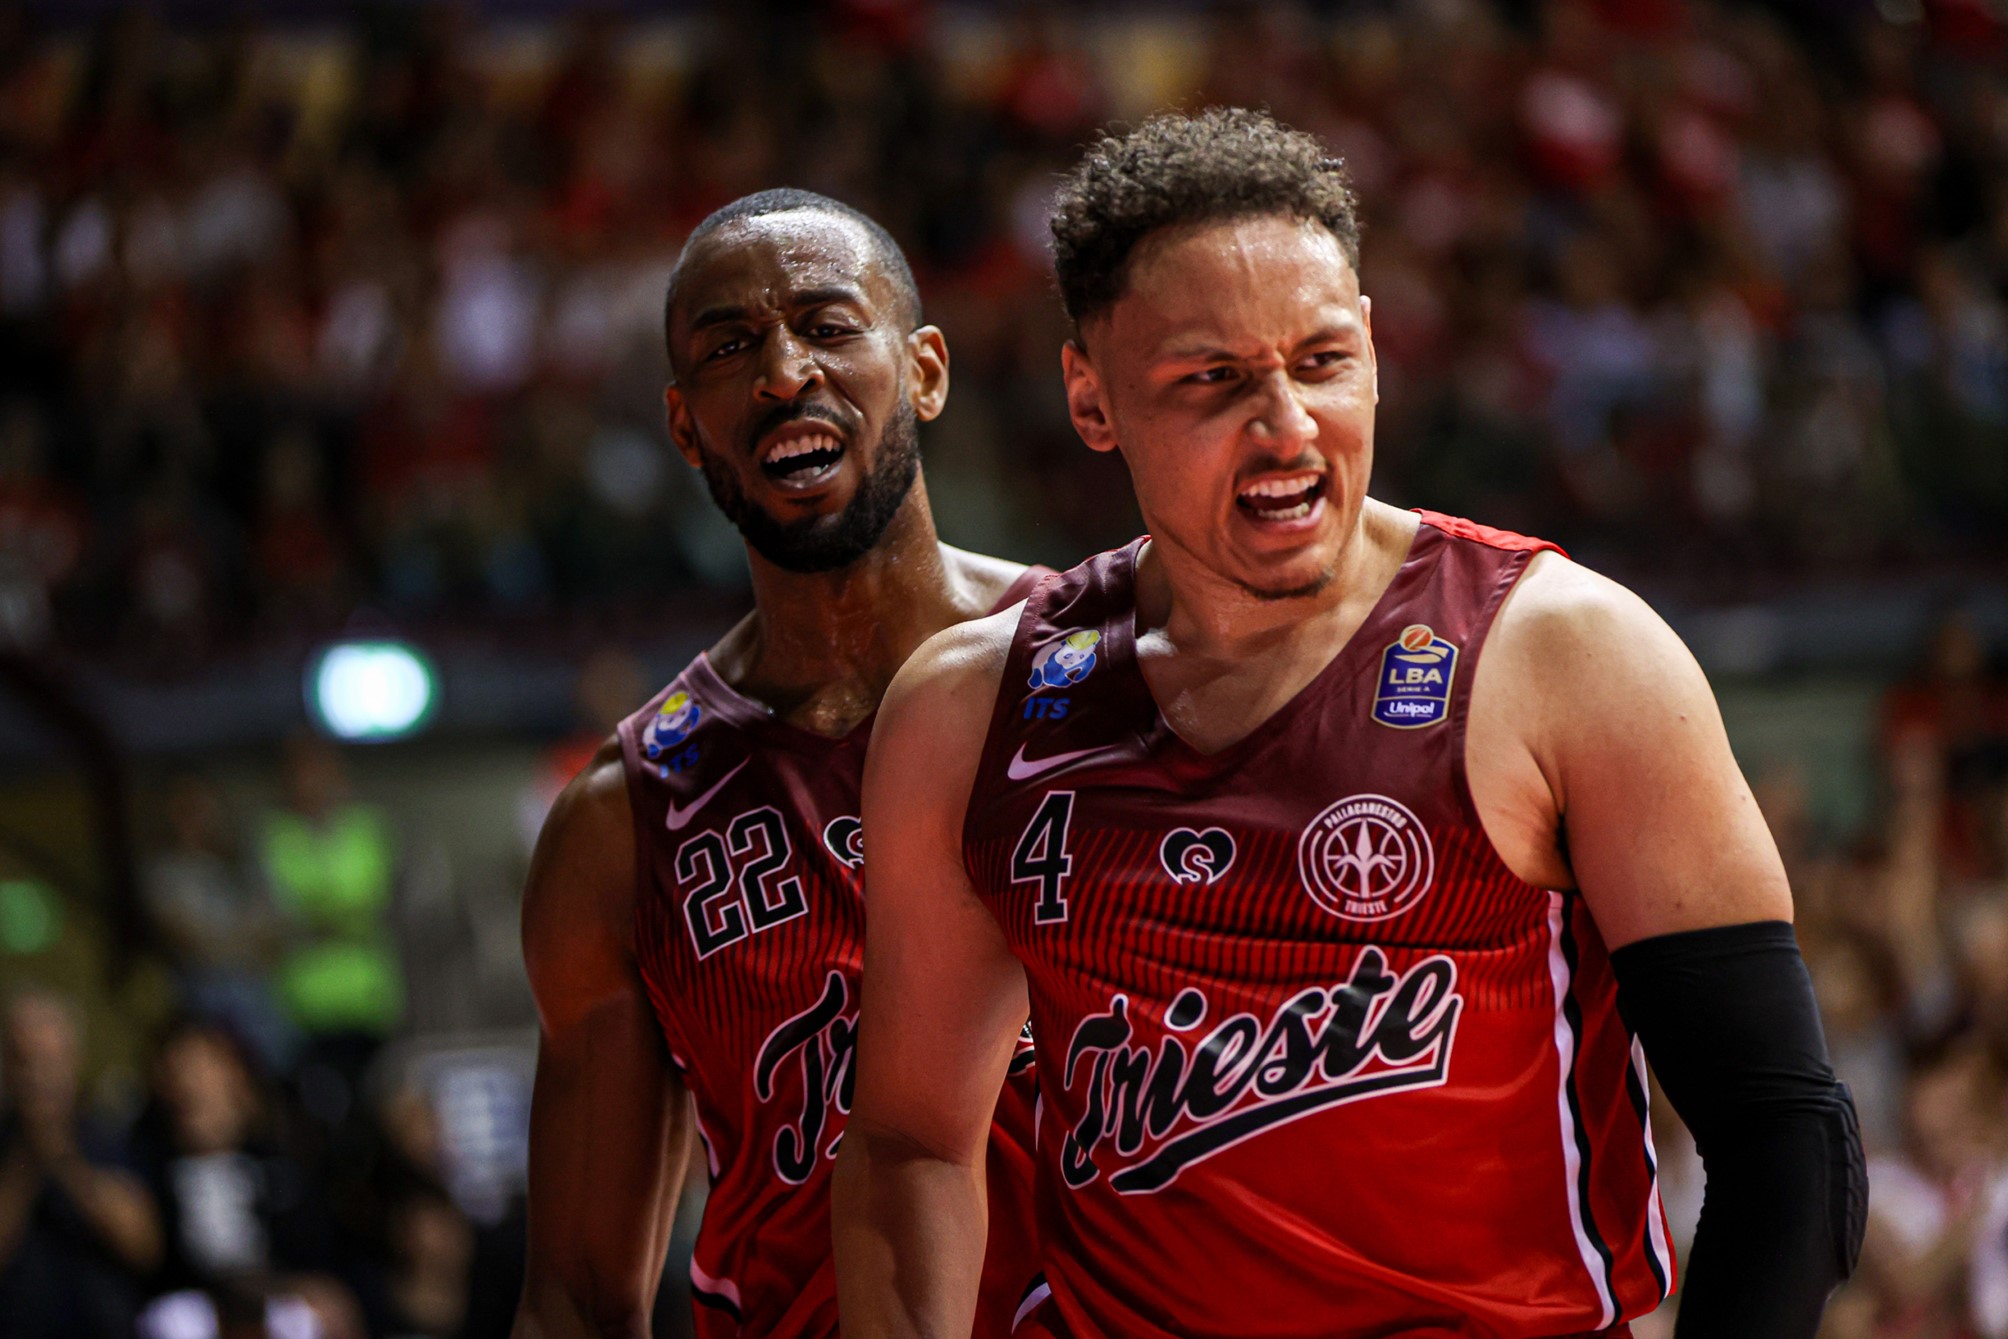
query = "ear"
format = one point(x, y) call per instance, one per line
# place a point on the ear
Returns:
point(1373, 359)
point(927, 372)
point(1085, 404)
point(682, 428)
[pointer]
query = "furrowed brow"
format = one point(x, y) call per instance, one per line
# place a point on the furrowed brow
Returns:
point(712, 316)
point(823, 297)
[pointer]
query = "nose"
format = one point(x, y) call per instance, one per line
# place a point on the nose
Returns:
point(1280, 420)
point(787, 367)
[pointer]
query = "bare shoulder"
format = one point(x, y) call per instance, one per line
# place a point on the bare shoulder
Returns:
point(578, 903)
point(1579, 642)
point(987, 577)
point(1560, 598)
point(928, 739)
point(1640, 790)
point(951, 681)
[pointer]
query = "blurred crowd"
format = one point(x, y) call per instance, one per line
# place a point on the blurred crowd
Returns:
point(277, 1177)
point(225, 1211)
point(1904, 924)
point(293, 323)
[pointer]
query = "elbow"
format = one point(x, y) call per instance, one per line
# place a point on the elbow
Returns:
point(552, 1309)
point(1775, 1155)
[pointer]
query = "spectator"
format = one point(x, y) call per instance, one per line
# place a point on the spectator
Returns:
point(230, 1312)
point(1626, 266)
point(218, 929)
point(78, 1233)
point(413, 1248)
point(237, 1208)
point(1938, 1243)
point(330, 864)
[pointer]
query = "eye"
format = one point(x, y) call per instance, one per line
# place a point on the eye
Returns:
point(830, 330)
point(725, 349)
point(1327, 359)
point(1209, 376)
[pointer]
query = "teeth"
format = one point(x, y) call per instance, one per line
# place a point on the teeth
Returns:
point(800, 446)
point(1284, 487)
point(1298, 512)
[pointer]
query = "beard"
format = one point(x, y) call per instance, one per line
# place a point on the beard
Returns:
point(826, 543)
point(1315, 586)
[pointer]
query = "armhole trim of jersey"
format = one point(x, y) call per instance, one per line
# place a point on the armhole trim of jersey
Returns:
point(994, 732)
point(631, 771)
point(1518, 560)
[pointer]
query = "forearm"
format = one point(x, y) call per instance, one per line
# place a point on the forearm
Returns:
point(1728, 1020)
point(1766, 1254)
point(609, 1140)
point(908, 1225)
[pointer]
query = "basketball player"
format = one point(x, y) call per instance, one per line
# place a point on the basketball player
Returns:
point(1326, 841)
point(693, 922)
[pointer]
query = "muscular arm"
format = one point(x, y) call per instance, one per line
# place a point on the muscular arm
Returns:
point(1598, 759)
point(609, 1124)
point(943, 1002)
point(1599, 753)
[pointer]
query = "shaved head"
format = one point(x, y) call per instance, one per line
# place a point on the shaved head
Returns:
point(889, 260)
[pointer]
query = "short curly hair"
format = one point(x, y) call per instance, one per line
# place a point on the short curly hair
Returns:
point(1224, 163)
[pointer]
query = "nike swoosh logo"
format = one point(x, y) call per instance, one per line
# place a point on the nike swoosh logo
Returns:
point(676, 817)
point(1022, 768)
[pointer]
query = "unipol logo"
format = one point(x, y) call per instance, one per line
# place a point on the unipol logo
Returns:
point(1366, 858)
point(1148, 1113)
point(816, 1045)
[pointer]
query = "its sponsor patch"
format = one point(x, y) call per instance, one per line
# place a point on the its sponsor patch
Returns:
point(674, 720)
point(1415, 675)
point(1066, 659)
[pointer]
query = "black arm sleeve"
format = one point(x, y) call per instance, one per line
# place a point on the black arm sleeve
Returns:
point(1727, 1019)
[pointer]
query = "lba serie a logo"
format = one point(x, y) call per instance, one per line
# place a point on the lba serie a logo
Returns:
point(1415, 675)
point(1366, 858)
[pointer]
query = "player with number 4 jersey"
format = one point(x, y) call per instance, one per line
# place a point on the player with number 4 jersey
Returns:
point(1351, 862)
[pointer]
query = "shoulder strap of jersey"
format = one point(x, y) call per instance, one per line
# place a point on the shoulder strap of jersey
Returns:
point(1063, 633)
point(1459, 528)
point(1478, 571)
point(1022, 587)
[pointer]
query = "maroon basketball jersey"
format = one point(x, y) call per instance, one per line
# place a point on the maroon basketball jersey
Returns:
point(749, 930)
point(1312, 1060)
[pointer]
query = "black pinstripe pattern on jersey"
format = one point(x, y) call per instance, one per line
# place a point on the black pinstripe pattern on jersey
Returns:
point(1572, 1014)
point(1635, 1090)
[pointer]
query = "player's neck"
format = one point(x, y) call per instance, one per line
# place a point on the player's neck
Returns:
point(1208, 616)
point(812, 634)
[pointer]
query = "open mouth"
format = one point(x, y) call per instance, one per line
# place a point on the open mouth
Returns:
point(1282, 497)
point(801, 454)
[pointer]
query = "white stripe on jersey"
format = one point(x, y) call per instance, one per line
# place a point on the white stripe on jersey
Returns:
point(704, 1283)
point(1655, 1213)
point(1565, 1052)
point(1031, 1303)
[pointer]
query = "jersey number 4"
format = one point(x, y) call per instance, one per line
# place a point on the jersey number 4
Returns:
point(1041, 856)
point(732, 888)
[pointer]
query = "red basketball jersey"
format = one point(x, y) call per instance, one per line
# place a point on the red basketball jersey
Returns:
point(1312, 1060)
point(749, 930)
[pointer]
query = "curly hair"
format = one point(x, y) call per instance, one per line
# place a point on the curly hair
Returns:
point(1224, 163)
